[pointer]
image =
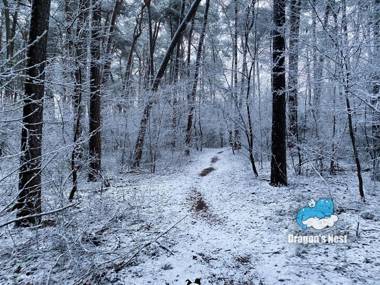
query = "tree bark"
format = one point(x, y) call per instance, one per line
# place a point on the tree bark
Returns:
point(347, 91)
point(29, 197)
point(376, 98)
point(136, 34)
point(195, 81)
point(10, 32)
point(178, 56)
point(1, 27)
point(236, 96)
point(278, 161)
point(151, 44)
point(249, 131)
point(13, 30)
point(95, 144)
point(246, 78)
point(318, 67)
point(80, 56)
point(107, 65)
point(293, 137)
point(7, 26)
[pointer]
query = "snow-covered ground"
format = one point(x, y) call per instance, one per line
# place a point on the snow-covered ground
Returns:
point(226, 227)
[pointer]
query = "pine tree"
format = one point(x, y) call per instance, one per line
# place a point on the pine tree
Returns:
point(278, 161)
point(293, 138)
point(376, 99)
point(29, 197)
point(195, 82)
point(95, 142)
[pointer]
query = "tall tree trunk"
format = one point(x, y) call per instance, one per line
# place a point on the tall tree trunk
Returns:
point(175, 78)
point(316, 78)
point(107, 65)
point(246, 78)
point(136, 34)
point(318, 67)
point(236, 95)
point(278, 161)
point(29, 198)
point(376, 98)
point(189, 42)
point(258, 80)
point(7, 26)
point(293, 138)
point(195, 81)
point(249, 131)
point(160, 73)
point(151, 44)
point(337, 71)
point(1, 57)
point(10, 32)
point(1, 34)
point(333, 162)
point(13, 30)
point(95, 146)
point(347, 91)
point(80, 58)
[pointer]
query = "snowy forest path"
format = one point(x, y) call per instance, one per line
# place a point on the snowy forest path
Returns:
point(230, 230)
point(238, 220)
point(236, 226)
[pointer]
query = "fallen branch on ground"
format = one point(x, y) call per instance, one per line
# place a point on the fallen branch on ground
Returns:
point(124, 262)
point(38, 215)
point(117, 266)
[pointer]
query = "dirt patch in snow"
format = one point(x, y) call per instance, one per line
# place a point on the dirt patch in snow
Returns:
point(206, 171)
point(214, 159)
point(199, 205)
point(201, 208)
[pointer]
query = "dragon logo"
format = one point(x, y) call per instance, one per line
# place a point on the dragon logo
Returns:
point(317, 215)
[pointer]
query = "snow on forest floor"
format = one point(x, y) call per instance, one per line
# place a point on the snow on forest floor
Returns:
point(224, 226)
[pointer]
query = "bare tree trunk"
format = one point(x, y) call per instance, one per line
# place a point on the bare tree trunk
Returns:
point(7, 17)
point(151, 44)
point(95, 147)
point(260, 107)
point(333, 144)
point(347, 92)
point(246, 78)
point(195, 81)
point(376, 98)
point(236, 95)
point(10, 32)
point(160, 73)
point(29, 198)
point(80, 58)
point(107, 66)
point(249, 132)
point(316, 78)
point(318, 67)
point(333, 160)
point(136, 34)
point(1, 30)
point(188, 59)
point(178, 56)
point(278, 161)
point(13, 30)
point(293, 139)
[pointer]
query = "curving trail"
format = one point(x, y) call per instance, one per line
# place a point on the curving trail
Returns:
point(237, 227)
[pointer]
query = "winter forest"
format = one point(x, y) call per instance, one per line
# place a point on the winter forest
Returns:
point(189, 142)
